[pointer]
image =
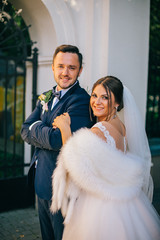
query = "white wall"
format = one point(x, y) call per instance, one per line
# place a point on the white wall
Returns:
point(90, 23)
point(112, 35)
point(129, 46)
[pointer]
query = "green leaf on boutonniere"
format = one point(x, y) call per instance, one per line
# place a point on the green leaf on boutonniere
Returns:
point(48, 96)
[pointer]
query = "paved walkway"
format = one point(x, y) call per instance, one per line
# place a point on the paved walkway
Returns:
point(23, 224)
point(20, 224)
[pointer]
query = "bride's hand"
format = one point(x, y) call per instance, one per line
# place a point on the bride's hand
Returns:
point(62, 121)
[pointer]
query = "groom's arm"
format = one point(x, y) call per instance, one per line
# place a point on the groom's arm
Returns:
point(30, 121)
point(35, 132)
point(42, 135)
point(46, 137)
point(78, 109)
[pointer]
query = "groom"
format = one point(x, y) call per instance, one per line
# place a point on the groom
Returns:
point(37, 130)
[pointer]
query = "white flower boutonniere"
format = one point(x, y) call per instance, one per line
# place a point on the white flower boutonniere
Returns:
point(45, 99)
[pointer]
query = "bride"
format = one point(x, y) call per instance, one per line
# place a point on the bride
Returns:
point(102, 182)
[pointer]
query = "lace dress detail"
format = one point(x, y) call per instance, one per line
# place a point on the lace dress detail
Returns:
point(109, 138)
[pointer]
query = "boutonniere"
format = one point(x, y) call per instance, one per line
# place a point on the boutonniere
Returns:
point(44, 99)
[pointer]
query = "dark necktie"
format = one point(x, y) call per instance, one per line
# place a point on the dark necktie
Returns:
point(56, 94)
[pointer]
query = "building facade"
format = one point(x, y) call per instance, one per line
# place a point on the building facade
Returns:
point(112, 35)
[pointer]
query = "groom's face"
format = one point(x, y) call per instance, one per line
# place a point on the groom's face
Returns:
point(66, 69)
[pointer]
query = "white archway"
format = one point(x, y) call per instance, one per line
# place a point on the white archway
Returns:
point(51, 25)
point(51, 22)
point(62, 20)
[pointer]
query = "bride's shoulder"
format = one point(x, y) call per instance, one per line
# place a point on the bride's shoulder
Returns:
point(99, 129)
point(103, 125)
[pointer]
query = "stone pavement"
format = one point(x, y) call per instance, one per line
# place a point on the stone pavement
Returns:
point(22, 224)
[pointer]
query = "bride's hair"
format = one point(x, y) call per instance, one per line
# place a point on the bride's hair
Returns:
point(114, 85)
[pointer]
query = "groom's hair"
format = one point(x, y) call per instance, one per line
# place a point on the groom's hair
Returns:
point(71, 49)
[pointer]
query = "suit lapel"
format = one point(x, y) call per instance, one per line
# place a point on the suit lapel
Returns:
point(53, 113)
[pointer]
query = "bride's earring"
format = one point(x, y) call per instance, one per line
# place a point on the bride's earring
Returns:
point(116, 109)
point(115, 114)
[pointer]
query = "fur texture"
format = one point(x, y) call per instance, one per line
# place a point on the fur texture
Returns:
point(87, 162)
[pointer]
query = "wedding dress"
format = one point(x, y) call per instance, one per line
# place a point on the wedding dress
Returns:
point(103, 191)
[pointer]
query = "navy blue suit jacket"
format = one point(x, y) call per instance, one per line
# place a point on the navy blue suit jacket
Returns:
point(47, 141)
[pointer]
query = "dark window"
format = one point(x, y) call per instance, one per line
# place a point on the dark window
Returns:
point(153, 100)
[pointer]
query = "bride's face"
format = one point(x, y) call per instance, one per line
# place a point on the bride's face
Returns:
point(100, 104)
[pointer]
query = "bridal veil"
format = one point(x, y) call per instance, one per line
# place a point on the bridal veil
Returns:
point(136, 137)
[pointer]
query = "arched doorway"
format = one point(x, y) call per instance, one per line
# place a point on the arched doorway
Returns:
point(15, 48)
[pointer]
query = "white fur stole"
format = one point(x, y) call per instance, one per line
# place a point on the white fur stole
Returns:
point(88, 163)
